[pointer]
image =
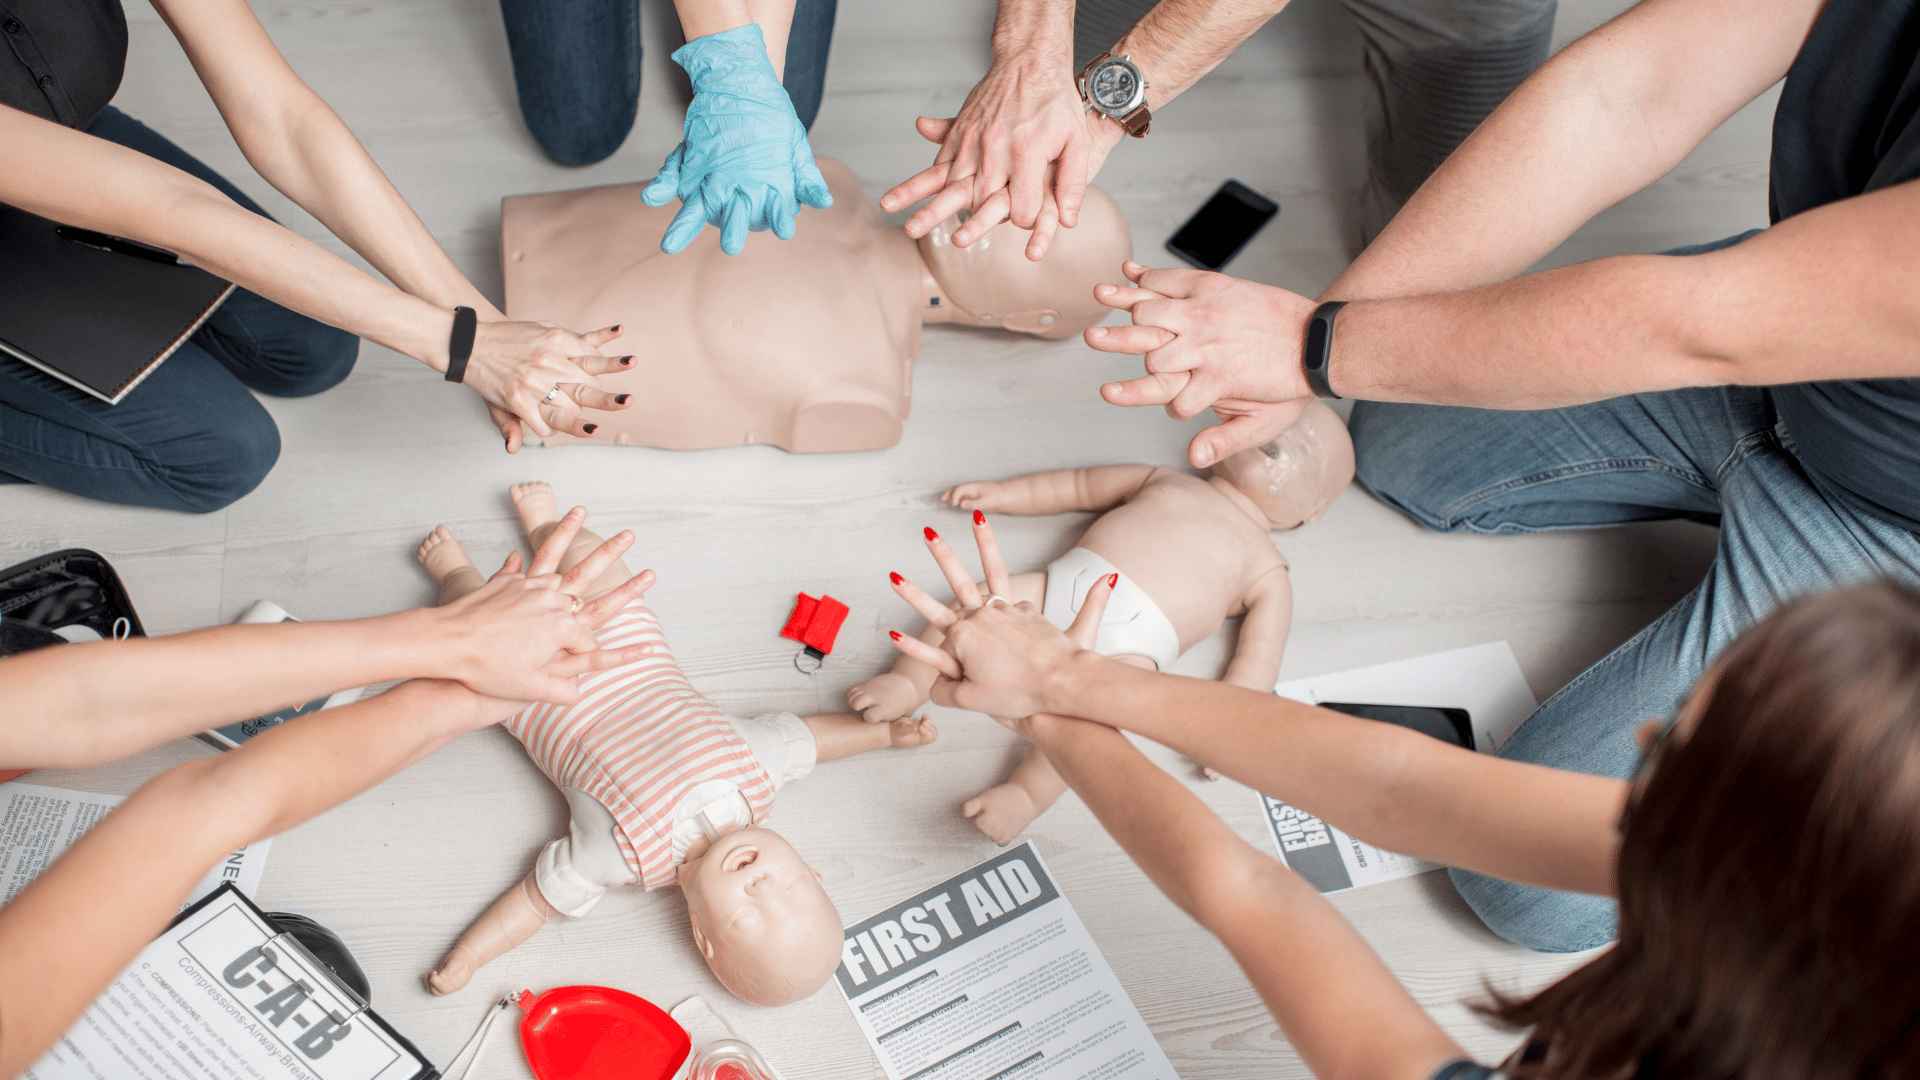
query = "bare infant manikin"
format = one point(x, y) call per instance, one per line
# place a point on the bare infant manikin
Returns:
point(808, 343)
point(1190, 553)
point(664, 788)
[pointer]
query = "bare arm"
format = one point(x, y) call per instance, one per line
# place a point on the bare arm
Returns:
point(1824, 295)
point(1098, 487)
point(79, 924)
point(1179, 41)
point(1263, 633)
point(698, 18)
point(1338, 1004)
point(1609, 115)
point(1383, 784)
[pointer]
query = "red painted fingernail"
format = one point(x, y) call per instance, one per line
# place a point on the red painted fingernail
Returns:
point(931, 535)
point(894, 634)
point(979, 518)
point(894, 576)
point(1113, 581)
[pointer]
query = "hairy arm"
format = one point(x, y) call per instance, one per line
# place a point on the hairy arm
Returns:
point(71, 931)
point(1179, 41)
point(1338, 1004)
point(1384, 784)
point(1606, 117)
point(1824, 295)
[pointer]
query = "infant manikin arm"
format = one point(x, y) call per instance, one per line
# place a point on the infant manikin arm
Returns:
point(842, 735)
point(1100, 487)
point(512, 919)
point(1263, 633)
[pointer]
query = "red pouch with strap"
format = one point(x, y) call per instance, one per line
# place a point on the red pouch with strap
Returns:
point(815, 623)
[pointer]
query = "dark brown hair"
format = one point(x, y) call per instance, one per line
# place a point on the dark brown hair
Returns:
point(1770, 870)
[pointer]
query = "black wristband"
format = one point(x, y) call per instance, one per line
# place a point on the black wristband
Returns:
point(460, 345)
point(1316, 351)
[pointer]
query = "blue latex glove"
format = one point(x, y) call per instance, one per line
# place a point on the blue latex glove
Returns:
point(743, 162)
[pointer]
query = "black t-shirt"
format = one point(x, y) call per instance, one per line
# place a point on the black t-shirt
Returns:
point(1849, 123)
point(61, 60)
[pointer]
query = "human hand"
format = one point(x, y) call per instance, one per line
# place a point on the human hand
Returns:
point(1210, 341)
point(743, 163)
point(1023, 147)
point(543, 376)
point(529, 636)
point(1000, 658)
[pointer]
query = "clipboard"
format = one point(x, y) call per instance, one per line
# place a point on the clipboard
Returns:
point(222, 992)
point(97, 312)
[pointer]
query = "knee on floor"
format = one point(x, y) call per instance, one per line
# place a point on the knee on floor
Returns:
point(214, 468)
point(1540, 919)
point(323, 359)
point(1395, 463)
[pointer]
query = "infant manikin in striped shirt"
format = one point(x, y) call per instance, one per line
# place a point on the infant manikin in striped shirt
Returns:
point(664, 788)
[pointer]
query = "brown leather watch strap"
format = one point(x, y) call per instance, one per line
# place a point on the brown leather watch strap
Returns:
point(1135, 123)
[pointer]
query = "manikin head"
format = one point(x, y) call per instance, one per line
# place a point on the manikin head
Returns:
point(768, 930)
point(992, 283)
point(1298, 475)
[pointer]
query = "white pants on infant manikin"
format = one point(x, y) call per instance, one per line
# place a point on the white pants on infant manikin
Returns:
point(1133, 623)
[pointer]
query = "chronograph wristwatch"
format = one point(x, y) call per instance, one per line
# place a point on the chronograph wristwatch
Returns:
point(1113, 87)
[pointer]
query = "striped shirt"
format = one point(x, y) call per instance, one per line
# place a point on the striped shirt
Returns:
point(638, 741)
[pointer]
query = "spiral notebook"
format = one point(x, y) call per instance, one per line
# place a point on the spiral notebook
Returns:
point(96, 312)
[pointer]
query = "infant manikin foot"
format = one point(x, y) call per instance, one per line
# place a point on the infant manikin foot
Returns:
point(453, 973)
point(1003, 812)
point(884, 698)
point(533, 501)
point(442, 555)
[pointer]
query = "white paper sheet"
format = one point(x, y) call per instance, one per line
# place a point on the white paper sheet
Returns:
point(37, 823)
point(990, 975)
point(1484, 679)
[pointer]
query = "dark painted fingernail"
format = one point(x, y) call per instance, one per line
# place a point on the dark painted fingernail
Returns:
point(894, 576)
point(931, 535)
point(626, 361)
point(621, 399)
point(894, 634)
point(591, 428)
point(616, 328)
point(979, 518)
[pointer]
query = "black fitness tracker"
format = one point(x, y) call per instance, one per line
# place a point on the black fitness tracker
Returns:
point(1316, 352)
point(460, 346)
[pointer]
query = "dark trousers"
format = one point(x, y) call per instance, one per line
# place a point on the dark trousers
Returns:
point(191, 437)
point(576, 64)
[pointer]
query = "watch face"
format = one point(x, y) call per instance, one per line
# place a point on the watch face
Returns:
point(1114, 86)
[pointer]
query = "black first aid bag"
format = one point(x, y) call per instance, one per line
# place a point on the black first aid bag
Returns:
point(71, 588)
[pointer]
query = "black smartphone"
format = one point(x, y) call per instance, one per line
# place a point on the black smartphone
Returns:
point(1213, 236)
point(1447, 725)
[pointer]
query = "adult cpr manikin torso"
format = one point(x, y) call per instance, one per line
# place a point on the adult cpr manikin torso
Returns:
point(807, 344)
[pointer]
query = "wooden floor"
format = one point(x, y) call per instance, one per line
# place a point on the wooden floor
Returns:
point(368, 468)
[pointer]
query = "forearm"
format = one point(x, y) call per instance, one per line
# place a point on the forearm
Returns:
point(1033, 27)
point(1609, 115)
point(71, 931)
point(698, 18)
point(89, 182)
point(1824, 295)
point(1386, 785)
point(1338, 1005)
point(1179, 41)
point(82, 705)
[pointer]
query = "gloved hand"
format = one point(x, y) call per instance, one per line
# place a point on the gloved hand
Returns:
point(743, 162)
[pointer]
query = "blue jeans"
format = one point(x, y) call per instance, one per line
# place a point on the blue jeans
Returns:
point(576, 64)
point(1718, 456)
point(190, 437)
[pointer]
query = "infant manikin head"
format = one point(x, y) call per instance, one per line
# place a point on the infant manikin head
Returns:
point(1296, 476)
point(768, 930)
point(993, 283)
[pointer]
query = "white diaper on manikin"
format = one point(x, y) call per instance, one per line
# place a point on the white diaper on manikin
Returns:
point(1133, 622)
